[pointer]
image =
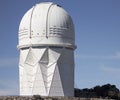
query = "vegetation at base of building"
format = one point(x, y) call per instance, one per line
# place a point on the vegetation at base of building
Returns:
point(104, 91)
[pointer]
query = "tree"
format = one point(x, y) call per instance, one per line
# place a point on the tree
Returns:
point(106, 90)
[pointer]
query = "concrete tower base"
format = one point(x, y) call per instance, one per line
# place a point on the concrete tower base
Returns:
point(45, 71)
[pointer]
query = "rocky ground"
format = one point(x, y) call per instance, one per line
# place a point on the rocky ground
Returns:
point(45, 98)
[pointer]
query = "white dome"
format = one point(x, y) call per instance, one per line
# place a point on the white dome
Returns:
point(46, 24)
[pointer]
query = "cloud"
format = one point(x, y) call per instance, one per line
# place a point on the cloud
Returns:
point(110, 70)
point(8, 87)
point(115, 56)
point(6, 62)
point(118, 54)
point(5, 92)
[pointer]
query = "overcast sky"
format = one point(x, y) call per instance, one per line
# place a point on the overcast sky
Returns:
point(97, 30)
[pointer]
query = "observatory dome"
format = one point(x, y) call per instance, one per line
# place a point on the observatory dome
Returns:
point(46, 24)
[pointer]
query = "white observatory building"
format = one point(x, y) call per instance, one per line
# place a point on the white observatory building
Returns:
point(46, 44)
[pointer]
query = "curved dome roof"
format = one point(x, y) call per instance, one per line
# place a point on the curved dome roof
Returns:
point(46, 24)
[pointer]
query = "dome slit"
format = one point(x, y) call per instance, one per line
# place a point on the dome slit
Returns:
point(47, 20)
point(31, 20)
